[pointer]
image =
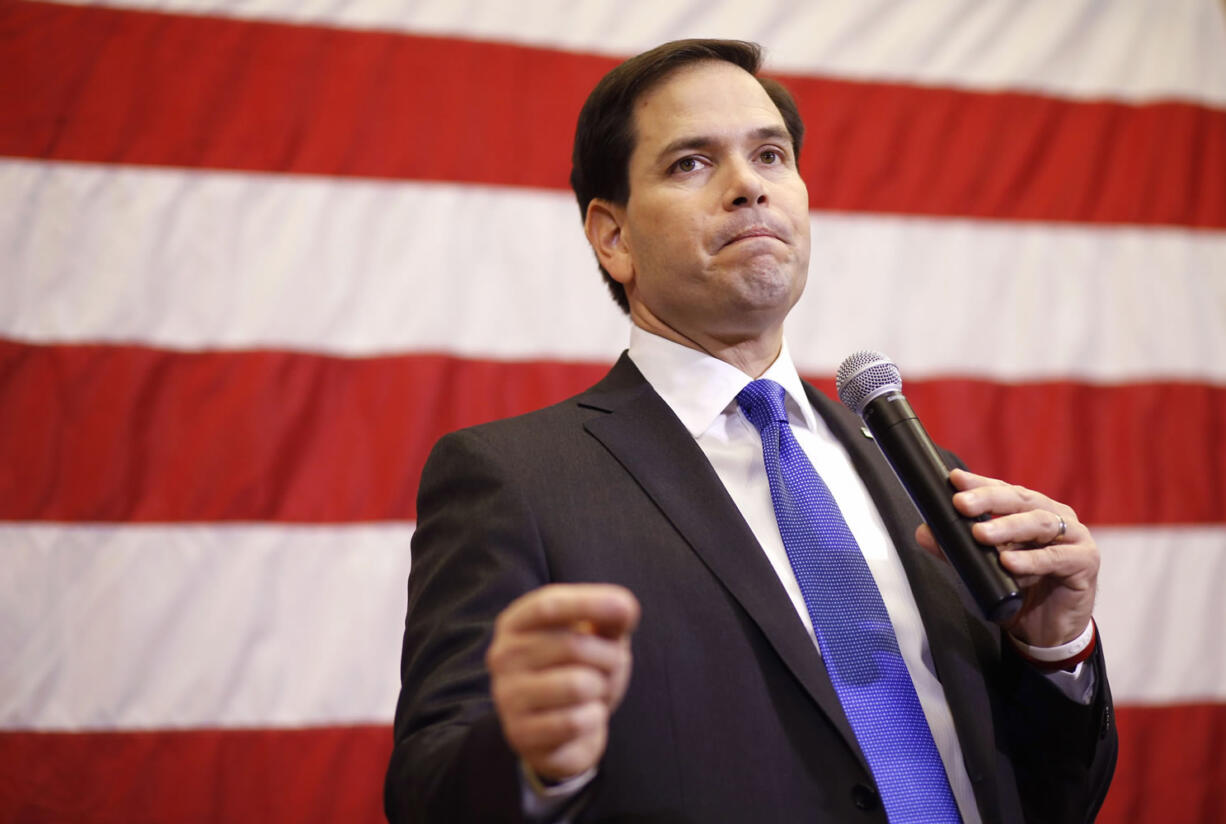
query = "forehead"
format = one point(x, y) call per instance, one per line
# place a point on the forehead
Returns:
point(711, 99)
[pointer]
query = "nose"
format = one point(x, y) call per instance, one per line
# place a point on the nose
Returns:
point(745, 186)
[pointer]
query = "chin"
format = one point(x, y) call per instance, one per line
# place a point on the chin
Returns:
point(768, 285)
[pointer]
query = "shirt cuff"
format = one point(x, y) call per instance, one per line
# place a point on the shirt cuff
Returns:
point(1076, 686)
point(544, 802)
point(1064, 665)
point(1074, 652)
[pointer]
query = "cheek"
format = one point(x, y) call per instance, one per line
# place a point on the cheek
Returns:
point(667, 233)
point(803, 231)
point(674, 240)
point(802, 206)
point(798, 201)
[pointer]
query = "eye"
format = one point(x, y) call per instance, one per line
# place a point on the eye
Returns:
point(770, 156)
point(687, 164)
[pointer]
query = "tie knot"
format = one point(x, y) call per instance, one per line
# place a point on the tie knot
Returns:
point(762, 403)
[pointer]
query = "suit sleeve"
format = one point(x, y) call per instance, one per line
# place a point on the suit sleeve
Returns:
point(474, 551)
point(1063, 753)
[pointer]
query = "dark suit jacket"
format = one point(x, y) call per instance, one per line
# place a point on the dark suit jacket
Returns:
point(729, 716)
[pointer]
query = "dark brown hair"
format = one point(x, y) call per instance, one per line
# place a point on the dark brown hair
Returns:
point(604, 136)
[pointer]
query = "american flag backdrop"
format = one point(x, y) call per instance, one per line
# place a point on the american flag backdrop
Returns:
point(257, 255)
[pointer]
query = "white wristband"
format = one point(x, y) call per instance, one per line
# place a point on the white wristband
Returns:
point(1063, 652)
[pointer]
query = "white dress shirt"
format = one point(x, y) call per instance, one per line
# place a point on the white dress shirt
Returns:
point(701, 391)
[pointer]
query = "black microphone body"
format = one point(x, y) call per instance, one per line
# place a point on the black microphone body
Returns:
point(924, 474)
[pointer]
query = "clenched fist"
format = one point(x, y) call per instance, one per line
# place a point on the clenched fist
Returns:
point(559, 664)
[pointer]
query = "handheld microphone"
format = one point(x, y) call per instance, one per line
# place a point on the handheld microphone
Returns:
point(869, 384)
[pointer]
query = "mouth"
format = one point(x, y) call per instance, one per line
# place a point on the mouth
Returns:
point(753, 233)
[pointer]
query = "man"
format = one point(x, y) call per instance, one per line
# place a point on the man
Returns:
point(606, 621)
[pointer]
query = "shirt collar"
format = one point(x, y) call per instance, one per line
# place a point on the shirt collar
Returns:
point(699, 388)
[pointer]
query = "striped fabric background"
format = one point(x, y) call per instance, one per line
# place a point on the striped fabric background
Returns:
point(255, 257)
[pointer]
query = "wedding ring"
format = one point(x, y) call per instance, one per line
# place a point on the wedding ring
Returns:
point(1059, 531)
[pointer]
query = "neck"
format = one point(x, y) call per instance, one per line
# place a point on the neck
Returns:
point(752, 354)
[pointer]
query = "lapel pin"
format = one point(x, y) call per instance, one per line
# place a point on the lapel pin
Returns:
point(866, 433)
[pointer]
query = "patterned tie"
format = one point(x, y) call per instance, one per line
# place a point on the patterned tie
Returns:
point(849, 618)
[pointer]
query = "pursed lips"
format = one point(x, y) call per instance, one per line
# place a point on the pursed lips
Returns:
point(753, 232)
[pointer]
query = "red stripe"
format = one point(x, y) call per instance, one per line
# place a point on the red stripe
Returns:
point(323, 775)
point(124, 433)
point(905, 149)
point(1170, 769)
point(1171, 766)
point(1124, 454)
point(112, 86)
point(102, 433)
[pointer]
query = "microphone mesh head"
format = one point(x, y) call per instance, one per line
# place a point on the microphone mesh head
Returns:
point(863, 376)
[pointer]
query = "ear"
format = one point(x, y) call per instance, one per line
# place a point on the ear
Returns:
point(603, 227)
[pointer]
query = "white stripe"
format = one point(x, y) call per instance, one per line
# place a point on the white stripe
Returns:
point(186, 259)
point(1142, 49)
point(1015, 301)
point(1161, 612)
point(141, 627)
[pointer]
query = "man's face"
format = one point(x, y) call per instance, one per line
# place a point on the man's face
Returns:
point(716, 228)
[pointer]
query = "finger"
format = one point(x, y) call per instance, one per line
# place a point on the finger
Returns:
point(1004, 499)
point(608, 609)
point(518, 651)
point(1071, 564)
point(925, 538)
point(1034, 527)
point(977, 493)
point(538, 735)
point(1023, 582)
point(554, 688)
point(965, 479)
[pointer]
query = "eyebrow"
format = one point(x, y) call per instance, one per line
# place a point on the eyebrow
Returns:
point(704, 141)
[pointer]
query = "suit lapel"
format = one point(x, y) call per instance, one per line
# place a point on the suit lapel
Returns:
point(644, 435)
point(942, 601)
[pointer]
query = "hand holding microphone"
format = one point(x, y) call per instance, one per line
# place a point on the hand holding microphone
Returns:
point(1030, 564)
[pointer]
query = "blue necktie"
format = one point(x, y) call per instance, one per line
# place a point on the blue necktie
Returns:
point(849, 618)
